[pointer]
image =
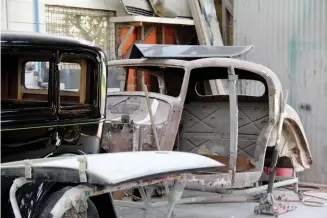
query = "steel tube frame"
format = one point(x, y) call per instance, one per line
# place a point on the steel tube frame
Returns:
point(203, 199)
point(233, 113)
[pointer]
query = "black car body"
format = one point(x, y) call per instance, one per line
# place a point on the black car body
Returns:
point(53, 96)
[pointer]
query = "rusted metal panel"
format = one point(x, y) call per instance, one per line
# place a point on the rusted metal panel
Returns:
point(290, 38)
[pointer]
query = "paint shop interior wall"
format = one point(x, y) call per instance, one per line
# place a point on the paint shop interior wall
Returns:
point(21, 14)
point(290, 38)
point(3, 14)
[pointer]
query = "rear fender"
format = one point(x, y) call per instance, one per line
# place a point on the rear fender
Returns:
point(294, 142)
point(29, 198)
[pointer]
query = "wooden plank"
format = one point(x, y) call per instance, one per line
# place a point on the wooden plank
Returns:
point(118, 195)
point(243, 164)
point(45, 92)
point(199, 22)
point(19, 85)
point(136, 24)
point(82, 89)
point(155, 20)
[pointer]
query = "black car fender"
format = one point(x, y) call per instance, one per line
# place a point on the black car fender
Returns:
point(31, 196)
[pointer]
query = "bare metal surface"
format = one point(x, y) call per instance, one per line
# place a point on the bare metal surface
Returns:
point(292, 36)
point(188, 51)
point(257, 130)
point(214, 197)
point(202, 129)
point(154, 129)
point(233, 120)
point(267, 204)
point(139, 134)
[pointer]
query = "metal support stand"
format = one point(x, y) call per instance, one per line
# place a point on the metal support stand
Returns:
point(267, 204)
point(233, 110)
point(209, 199)
point(146, 197)
point(174, 198)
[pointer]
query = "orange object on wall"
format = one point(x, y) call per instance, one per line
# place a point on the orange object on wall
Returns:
point(130, 41)
point(151, 39)
point(169, 36)
point(131, 83)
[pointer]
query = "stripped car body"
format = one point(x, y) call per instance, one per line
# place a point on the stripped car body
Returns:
point(189, 121)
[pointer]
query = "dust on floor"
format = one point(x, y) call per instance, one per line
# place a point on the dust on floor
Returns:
point(231, 210)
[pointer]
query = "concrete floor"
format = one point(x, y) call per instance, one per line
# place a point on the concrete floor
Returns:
point(232, 210)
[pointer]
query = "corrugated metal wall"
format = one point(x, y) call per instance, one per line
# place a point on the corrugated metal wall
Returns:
point(290, 37)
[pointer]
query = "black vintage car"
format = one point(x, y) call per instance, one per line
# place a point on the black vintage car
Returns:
point(53, 95)
point(53, 110)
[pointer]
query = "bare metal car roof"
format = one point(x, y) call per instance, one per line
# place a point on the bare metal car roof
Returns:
point(187, 52)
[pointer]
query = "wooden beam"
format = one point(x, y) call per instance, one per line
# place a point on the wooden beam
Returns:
point(136, 24)
point(82, 89)
point(19, 85)
point(224, 21)
point(155, 20)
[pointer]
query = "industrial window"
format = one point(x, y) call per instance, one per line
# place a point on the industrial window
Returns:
point(88, 24)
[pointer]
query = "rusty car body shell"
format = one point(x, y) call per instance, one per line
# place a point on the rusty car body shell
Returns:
point(293, 136)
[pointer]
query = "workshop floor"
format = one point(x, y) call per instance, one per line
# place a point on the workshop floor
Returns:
point(232, 210)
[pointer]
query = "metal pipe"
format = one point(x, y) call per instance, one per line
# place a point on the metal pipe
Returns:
point(37, 16)
point(238, 193)
point(204, 199)
point(175, 196)
point(233, 113)
point(276, 149)
point(155, 134)
point(19, 182)
point(37, 29)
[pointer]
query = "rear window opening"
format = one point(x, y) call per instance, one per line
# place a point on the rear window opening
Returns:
point(211, 84)
point(245, 87)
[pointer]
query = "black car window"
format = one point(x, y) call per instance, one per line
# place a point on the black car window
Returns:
point(77, 80)
point(24, 81)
